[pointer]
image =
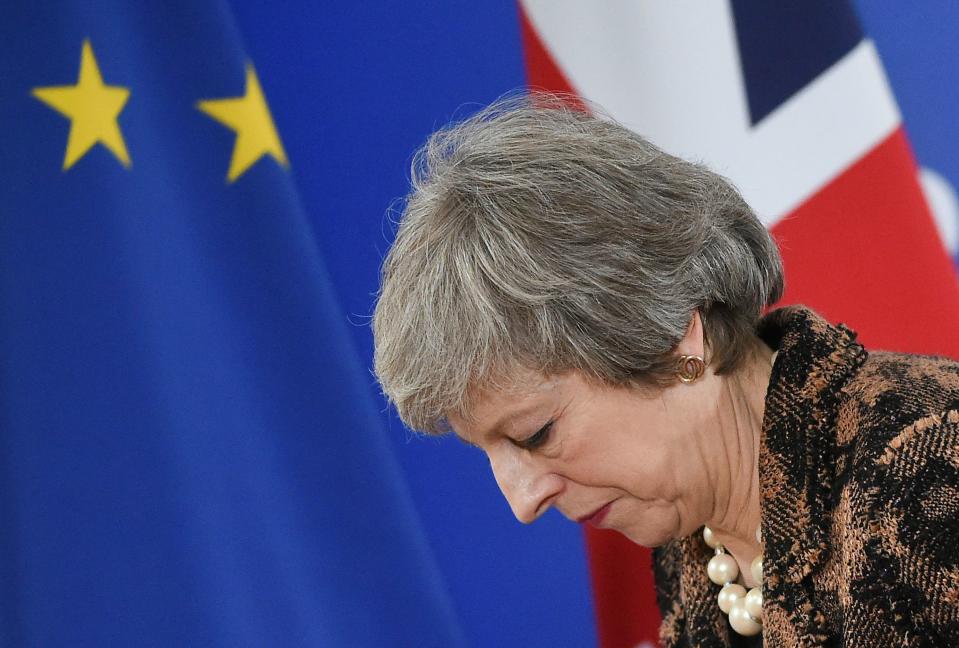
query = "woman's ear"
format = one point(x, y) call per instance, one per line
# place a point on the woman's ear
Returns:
point(694, 342)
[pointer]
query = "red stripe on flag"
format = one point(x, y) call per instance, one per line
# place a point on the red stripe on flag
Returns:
point(865, 251)
point(624, 594)
point(541, 72)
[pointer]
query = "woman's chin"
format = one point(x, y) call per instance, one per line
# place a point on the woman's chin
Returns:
point(648, 536)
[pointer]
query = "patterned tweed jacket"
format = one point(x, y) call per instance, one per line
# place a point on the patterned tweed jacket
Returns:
point(859, 477)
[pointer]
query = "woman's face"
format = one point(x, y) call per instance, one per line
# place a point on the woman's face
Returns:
point(622, 458)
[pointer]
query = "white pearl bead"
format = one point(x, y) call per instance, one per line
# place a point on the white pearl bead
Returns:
point(740, 620)
point(759, 535)
point(722, 569)
point(756, 569)
point(710, 538)
point(728, 595)
point(754, 603)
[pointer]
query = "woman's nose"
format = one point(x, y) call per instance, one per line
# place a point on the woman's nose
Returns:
point(529, 490)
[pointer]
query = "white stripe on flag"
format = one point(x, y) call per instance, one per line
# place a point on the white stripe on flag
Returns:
point(671, 72)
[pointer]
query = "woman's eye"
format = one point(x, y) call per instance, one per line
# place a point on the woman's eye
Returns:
point(540, 437)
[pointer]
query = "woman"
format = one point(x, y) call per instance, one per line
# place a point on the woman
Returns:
point(585, 308)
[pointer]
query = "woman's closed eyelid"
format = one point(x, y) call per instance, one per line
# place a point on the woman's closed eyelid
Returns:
point(538, 438)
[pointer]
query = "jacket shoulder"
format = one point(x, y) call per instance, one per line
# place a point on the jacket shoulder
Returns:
point(890, 392)
point(903, 474)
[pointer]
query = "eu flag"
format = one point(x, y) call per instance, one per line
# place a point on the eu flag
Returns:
point(190, 451)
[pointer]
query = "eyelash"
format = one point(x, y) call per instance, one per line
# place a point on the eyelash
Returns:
point(538, 439)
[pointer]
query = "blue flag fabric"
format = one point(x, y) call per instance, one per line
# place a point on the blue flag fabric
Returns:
point(190, 451)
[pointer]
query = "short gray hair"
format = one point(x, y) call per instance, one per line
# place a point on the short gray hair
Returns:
point(543, 238)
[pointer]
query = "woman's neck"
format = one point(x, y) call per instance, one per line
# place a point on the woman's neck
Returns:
point(736, 509)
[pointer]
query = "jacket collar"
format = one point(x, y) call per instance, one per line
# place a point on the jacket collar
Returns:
point(797, 459)
point(797, 451)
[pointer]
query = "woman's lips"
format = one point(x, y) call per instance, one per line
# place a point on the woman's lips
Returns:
point(596, 518)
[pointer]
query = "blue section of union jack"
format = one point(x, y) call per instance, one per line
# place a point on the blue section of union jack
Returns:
point(785, 45)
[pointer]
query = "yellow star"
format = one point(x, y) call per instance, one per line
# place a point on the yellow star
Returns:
point(249, 116)
point(92, 108)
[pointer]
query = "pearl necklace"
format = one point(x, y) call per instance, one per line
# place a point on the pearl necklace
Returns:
point(745, 610)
